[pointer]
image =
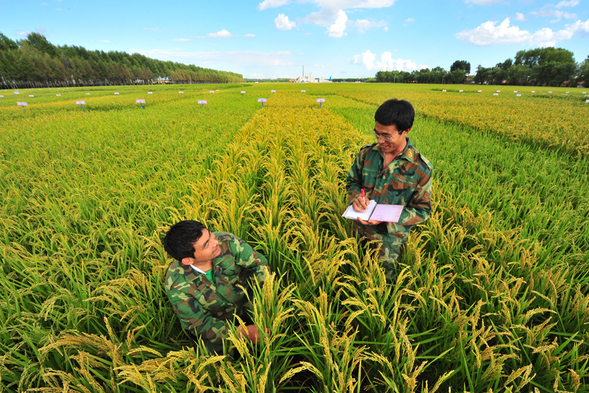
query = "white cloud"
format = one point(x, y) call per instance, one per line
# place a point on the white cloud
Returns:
point(367, 58)
point(271, 4)
point(220, 34)
point(489, 33)
point(571, 3)
point(182, 39)
point(282, 22)
point(409, 20)
point(22, 33)
point(332, 14)
point(555, 14)
point(250, 35)
point(386, 63)
point(386, 28)
point(519, 16)
point(364, 24)
point(338, 28)
point(105, 41)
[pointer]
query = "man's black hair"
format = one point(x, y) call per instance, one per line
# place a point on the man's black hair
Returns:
point(179, 240)
point(397, 112)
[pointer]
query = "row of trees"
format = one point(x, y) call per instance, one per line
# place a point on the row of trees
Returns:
point(426, 75)
point(35, 62)
point(537, 67)
point(534, 67)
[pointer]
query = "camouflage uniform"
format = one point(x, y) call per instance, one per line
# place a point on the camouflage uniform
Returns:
point(205, 308)
point(407, 180)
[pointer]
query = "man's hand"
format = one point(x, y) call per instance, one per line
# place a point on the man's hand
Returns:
point(360, 205)
point(250, 332)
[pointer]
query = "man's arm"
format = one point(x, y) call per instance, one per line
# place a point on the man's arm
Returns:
point(252, 261)
point(417, 209)
point(199, 321)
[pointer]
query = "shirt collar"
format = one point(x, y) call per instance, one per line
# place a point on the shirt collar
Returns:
point(408, 153)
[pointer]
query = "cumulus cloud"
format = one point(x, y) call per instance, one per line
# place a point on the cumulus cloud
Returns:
point(519, 16)
point(338, 28)
point(282, 22)
point(489, 33)
point(250, 35)
point(220, 34)
point(332, 14)
point(182, 39)
point(271, 4)
point(105, 41)
point(22, 33)
point(386, 62)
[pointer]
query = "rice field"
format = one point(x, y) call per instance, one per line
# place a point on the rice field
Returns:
point(492, 293)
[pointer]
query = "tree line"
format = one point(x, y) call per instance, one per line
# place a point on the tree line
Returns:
point(35, 62)
point(534, 67)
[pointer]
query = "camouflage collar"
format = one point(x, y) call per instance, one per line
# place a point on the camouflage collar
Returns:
point(409, 153)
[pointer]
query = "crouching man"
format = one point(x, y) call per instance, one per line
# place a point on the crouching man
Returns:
point(206, 282)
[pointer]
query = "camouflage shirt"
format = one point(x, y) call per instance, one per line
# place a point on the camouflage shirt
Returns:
point(203, 307)
point(406, 180)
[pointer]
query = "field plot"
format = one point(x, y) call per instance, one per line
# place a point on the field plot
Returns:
point(493, 294)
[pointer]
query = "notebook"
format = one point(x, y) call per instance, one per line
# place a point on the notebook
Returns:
point(375, 211)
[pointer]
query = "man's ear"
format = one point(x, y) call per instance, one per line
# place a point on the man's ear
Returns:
point(187, 261)
point(407, 130)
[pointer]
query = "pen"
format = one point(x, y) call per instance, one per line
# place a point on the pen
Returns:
point(364, 196)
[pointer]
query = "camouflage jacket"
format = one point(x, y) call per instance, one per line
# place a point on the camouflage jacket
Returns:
point(204, 308)
point(406, 180)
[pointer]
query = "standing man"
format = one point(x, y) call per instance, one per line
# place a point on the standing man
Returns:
point(391, 171)
point(209, 279)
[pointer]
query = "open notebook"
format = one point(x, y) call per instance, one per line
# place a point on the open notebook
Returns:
point(374, 211)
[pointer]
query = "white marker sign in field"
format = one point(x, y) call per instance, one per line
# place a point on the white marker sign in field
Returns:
point(202, 102)
point(140, 101)
point(80, 102)
point(320, 99)
point(21, 103)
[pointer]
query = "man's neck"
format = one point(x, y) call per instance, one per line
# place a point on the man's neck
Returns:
point(204, 266)
point(395, 153)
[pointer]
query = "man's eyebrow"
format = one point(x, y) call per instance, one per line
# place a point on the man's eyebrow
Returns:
point(207, 242)
point(382, 133)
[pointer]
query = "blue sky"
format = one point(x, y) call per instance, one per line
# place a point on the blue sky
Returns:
point(339, 38)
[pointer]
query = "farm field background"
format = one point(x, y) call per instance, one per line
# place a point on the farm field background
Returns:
point(494, 289)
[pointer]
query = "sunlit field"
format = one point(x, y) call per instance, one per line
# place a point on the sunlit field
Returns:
point(492, 293)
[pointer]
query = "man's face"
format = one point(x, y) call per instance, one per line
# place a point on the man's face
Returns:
point(389, 139)
point(206, 248)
